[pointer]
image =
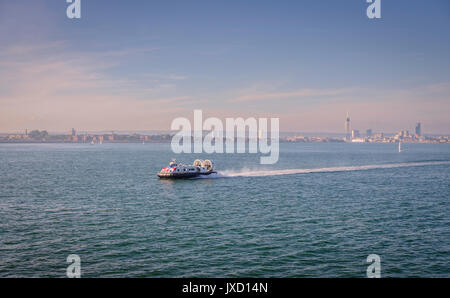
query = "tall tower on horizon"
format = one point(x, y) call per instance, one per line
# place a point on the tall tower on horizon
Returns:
point(347, 127)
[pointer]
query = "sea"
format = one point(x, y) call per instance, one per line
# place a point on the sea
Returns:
point(319, 212)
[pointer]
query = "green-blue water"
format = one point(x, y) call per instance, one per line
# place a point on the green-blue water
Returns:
point(105, 203)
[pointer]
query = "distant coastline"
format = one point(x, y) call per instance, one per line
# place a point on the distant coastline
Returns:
point(37, 136)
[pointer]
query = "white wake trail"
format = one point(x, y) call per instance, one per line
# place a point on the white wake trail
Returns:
point(263, 173)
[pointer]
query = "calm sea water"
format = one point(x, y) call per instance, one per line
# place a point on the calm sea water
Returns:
point(105, 203)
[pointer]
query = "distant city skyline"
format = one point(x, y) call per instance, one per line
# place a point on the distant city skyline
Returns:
point(136, 67)
point(349, 132)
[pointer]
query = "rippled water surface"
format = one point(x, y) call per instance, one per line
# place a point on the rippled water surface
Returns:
point(319, 212)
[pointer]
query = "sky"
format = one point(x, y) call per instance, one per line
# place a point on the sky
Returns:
point(137, 65)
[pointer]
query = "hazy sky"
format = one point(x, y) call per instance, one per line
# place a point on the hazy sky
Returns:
point(136, 65)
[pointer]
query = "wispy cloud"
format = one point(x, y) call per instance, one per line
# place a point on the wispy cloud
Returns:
point(53, 88)
point(292, 94)
point(175, 77)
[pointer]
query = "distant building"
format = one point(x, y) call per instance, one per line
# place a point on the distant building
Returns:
point(402, 134)
point(358, 140)
point(347, 127)
point(73, 135)
point(369, 133)
point(355, 134)
point(418, 130)
point(379, 136)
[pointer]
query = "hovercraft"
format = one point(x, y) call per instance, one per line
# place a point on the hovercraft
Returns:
point(180, 171)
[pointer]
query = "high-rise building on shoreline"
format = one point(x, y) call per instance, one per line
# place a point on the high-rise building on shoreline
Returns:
point(74, 136)
point(418, 129)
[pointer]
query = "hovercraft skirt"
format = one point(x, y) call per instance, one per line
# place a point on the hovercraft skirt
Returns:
point(182, 175)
